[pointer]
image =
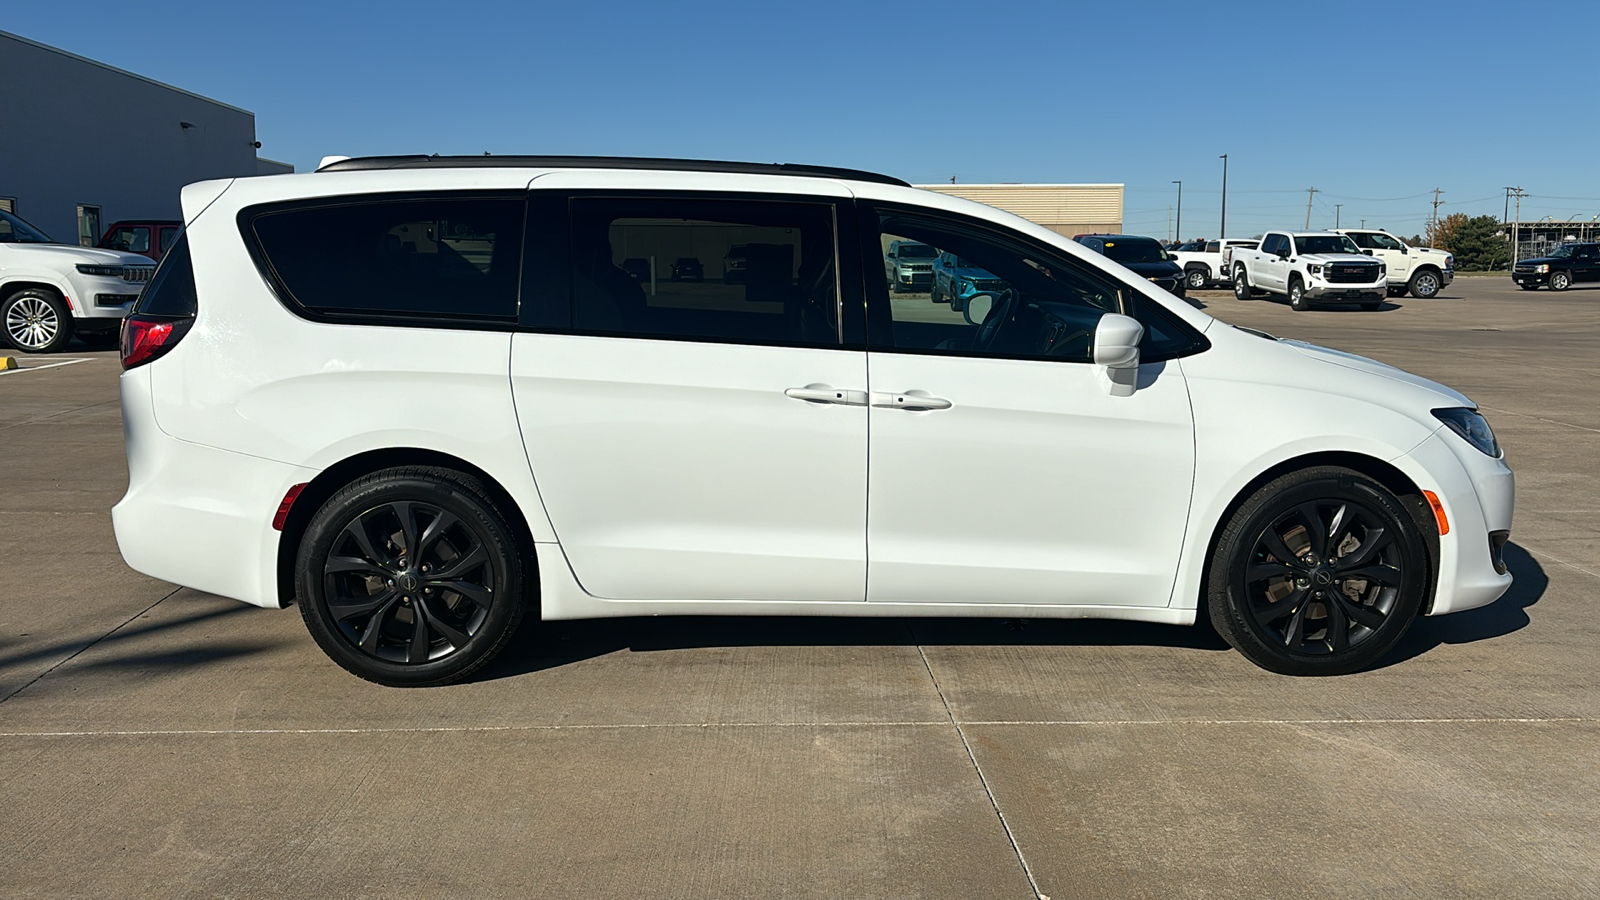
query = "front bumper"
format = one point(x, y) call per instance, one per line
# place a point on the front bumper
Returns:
point(1333, 292)
point(914, 279)
point(1531, 278)
point(92, 298)
point(1478, 494)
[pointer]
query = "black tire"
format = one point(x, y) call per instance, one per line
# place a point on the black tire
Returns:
point(1425, 284)
point(1241, 285)
point(1306, 538)
point(1560, 281)
point(36, 320)
point(1196, 279)
point(360, 595)
point(1529, 287)
point(933, 293)
point(1297, 294)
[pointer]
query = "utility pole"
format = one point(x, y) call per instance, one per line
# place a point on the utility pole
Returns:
point(1310, 192)
point(952, 179)
point(1180, 209)
point(1515, 246)
point(1433, 227)
point(1336, 208)
point(1169, 224)
point(1224, 226)
point(1363, 223)
point(1505, 218)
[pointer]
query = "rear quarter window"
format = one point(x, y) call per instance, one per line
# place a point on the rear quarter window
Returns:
point(415, 259)
point(171, 290)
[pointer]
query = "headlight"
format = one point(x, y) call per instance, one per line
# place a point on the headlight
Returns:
point(1382, 268)
point(1315, 268)
point(1472, 426)
point(966, 286)
point(109, 271)
point(1538, 270)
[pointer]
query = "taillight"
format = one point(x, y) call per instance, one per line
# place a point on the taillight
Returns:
point(146, 337)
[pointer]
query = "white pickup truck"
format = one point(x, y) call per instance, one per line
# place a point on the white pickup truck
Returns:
point(1421, 270)
point(1307, 267)
point(1205, 263)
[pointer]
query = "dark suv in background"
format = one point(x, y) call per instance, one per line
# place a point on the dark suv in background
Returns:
point(1141, 254)
point(1565, 265)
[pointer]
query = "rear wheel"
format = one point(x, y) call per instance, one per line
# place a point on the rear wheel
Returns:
point(1425, 285)
point(1241, 284)
point(1320, 572)
point(412, 576)
point(36, 320)
point(1196, 279)
point(1297, 295)
point(1560, 281)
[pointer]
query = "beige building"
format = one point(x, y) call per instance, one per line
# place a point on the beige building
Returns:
point(1067, 209)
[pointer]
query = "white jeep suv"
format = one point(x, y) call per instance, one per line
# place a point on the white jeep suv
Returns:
point(421, 398)
point(49, 291)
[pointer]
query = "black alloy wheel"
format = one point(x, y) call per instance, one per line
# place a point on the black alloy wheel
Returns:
point(411, 577)
point(1319, 573)
point(1560, 281)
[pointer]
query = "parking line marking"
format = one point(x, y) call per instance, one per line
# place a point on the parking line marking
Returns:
point(1077, 723)
point(48, 365)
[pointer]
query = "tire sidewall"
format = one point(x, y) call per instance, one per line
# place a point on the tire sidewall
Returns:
point(1418, 282)
point(329, 521)
point(1241, 285)
point(1561, 285)
point(1225, 584)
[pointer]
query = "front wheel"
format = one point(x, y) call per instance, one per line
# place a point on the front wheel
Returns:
point(1560, 281)
point(1297, 296)
point(412, 576)
point(1320, 572)
point(1425, 285)
point(36, 320)
point(1196, 279)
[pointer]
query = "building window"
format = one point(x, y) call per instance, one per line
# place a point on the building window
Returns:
point(88, 225)
point(8, 204)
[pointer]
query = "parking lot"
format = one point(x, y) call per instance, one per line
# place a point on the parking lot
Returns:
point(160, 742)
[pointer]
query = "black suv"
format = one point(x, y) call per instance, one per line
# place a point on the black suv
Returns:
point(1141, 254)
point(1565, 265)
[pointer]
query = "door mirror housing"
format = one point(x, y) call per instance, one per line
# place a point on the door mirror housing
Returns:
point(1370, 253)
point(1116, 350)
point(977, 308)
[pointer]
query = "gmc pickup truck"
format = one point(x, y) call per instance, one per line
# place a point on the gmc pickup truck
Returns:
point(1320, 266)
point(1420, 270)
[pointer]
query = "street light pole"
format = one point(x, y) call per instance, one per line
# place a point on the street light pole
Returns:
point(1224, 226)
point(1336, 208)
point(1180, 209)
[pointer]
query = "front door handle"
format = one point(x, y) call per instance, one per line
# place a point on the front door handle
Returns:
point(917, 401)
point(821, 393)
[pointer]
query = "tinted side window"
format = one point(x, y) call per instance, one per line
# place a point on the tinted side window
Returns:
point(426, 258)
point(168, 233)
point(746, 271)
point(171, 290)
point(130, 238)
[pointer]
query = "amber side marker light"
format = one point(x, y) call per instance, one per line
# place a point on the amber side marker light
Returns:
point(1438, 512)
point(283, 508)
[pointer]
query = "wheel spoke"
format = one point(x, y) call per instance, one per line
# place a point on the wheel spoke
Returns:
point(461, 565)
point(1343, 520)
point(340, 564)
point(1362, 615)
point(405, 511)
point(1295, 634)
point(1265, 570)
point(357, 531)
point(435, 530)
point(417, 649)
point(345, 610)
point(476, 593)
point(1338, 636)
point(1388, 576)
point(369, 640)
point(1316, 532)
point(455, 636)
point(1273, 541)
point(1282, 608)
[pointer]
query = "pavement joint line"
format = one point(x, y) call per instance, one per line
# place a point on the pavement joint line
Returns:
point(645, 726)
point(971, 757)
point(50, 365)
point(74, 654)
point(1508, 412)
point(1558, 559)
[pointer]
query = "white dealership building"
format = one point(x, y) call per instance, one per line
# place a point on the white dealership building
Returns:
point(84, 144)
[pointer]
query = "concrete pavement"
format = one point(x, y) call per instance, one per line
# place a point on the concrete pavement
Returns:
point(161, 742)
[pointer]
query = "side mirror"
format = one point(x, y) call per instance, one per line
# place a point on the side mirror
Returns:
point(1368, 253)
point(977, 308)
point(1116, 349)
point(1404, 252)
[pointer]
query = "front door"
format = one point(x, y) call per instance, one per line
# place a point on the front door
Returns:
point(700, 439)
point(1002, 469)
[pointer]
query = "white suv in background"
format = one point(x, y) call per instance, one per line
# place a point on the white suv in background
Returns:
point(50, 291)
point(421, 398)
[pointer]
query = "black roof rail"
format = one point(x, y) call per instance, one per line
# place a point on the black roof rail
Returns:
point(604, 162)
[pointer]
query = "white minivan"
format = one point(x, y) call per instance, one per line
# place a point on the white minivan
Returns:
point(423, 398)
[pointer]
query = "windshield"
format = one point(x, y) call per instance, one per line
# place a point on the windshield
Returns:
point(917, 251)
point(15, 231)
point(1561, 252)
point(1129, 250)
point(1325, 243)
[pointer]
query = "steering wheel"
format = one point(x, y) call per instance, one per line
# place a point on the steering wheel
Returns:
point(990, 329)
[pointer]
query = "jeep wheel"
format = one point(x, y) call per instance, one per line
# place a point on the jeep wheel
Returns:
point(1560, 281)
point(1196, 279)
point(1424, 285)
point(1297, 295)
point(36, 320)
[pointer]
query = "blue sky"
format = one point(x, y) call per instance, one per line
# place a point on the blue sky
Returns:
point(1375, 104)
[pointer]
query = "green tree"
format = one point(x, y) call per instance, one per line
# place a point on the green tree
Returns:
point(1478, 243)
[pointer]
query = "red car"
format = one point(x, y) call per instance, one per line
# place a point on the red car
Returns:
point(150, 237)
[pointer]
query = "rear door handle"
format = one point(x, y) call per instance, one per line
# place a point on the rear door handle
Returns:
point(917, 401)
point(821, 393)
